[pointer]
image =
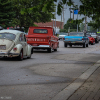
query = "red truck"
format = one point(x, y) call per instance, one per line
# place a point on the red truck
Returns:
point(42, 38)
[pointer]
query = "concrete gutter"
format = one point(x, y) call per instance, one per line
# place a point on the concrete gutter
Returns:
point(69, 90)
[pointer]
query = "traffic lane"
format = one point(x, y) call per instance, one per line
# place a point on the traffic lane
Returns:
point(78, 49)
point(24, 84)
point(27, 71)
point(49, 68)
point(31, 92)
point(56, 71)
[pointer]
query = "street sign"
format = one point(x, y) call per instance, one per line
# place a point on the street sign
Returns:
point(75, 11)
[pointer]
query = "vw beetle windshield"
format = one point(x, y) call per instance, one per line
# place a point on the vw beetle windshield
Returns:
point(8, 36)
point(76, 34)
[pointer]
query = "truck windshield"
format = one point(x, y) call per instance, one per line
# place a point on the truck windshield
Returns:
point(76, 34)
point(9, 36)
point(40, 31)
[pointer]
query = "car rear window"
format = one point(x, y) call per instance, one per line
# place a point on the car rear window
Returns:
point(40, 31)
point(76, 34)
point(9, 36)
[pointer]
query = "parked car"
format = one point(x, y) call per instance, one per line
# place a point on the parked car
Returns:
point(91, 39)
point(98, 33)
point(76, 38)
point(94, 35)
point(42, 38)
point(13, 44)
point(62, 35)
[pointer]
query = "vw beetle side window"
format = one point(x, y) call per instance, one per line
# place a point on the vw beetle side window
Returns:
point(24, 38)
point(21, 38)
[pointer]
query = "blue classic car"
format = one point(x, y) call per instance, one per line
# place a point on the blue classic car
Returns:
point(76, 38)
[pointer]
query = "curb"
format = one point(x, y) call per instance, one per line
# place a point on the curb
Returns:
point(69, 90)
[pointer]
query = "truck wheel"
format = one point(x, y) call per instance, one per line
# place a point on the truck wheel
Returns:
point(65, 44)
point(70, 45)
point(87, 45)
point(84, 45)
point(20, 57)
point(49, 50)
point(55, 49)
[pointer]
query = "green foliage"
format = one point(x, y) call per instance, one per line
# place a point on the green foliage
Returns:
point(82, 26)
point(63, 30)
point(70, 23)
point(91, 8)
point(6, 13)
point(61, 3)
point(73, 30)
point(30, 11)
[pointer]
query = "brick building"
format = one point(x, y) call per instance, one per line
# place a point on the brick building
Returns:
point(59, 25)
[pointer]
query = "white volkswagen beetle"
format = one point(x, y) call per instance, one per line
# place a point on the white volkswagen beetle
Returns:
point(13, 44)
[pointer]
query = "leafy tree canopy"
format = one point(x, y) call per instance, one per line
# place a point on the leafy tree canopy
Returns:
point(30, 11)
point(91, 8)
point(6, 13)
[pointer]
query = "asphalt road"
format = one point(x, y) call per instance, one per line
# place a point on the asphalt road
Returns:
point(45, 74)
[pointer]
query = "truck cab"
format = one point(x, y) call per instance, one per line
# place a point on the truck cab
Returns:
point(42, 38)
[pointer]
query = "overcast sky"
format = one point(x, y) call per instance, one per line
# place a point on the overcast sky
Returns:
point(67, 13)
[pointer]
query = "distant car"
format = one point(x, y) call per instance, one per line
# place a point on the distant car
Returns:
point(13, 44)
point(98, 33)
point(62, 35)
point(91, 39)
point(94, 35)
point(76, 38)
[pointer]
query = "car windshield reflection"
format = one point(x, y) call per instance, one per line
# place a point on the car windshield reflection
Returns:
point(76, 34)
point(8, 36)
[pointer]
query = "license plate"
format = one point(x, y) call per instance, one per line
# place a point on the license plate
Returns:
point(72, 42)
point(2, 47)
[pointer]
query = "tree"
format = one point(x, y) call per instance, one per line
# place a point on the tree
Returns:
point(6, 13)
point(70, 24)
point(30, 11)
point(91, 8)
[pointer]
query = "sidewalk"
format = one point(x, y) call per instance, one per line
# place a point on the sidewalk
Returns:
point(90, 90)
point(86, 87)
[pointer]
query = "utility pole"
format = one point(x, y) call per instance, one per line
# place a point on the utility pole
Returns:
point(70, 13)
point(77, 22)
point(73, 14)
point(85, 27)
point(63, 16)
point(55, 20)
point(61, 21)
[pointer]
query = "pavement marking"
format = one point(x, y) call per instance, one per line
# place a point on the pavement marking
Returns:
point(69, 90)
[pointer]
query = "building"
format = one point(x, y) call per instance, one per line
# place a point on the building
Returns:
point(57, 25)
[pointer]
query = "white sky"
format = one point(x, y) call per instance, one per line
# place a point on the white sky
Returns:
point(67, 13)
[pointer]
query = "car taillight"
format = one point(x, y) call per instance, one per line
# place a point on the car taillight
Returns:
point(82, 39)
point(15, 49)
